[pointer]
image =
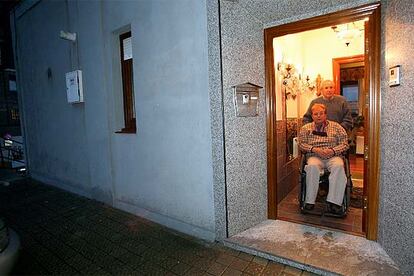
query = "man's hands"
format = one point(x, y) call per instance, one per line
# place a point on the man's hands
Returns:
point(324, 153)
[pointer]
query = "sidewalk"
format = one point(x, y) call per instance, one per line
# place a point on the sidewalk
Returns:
point(66, 234)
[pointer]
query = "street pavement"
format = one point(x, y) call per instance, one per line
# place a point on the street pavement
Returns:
point(66, 234)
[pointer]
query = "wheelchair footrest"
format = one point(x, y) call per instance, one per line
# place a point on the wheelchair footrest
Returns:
point(321, 209)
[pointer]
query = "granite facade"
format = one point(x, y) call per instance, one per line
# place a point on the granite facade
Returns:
point(242, 25)
point(396, 232)
point(216, 113)
point(242, 61)
point(242, 51)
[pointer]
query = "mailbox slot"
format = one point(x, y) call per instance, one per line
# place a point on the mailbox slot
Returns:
point(246, 99)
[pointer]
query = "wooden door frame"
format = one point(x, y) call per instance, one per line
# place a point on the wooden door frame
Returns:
point(336, 68)
point(372, 12)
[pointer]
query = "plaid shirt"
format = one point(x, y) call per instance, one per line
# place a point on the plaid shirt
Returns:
point(336, 138)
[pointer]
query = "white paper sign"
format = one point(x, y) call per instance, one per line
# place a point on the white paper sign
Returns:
point(12, 85)
point(127, 43)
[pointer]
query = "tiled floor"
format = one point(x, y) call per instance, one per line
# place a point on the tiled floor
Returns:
point(65, 234)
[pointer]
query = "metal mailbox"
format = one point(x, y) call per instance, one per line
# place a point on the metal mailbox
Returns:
point(246, 98)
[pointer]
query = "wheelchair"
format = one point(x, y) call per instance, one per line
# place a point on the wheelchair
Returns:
point(324, 187)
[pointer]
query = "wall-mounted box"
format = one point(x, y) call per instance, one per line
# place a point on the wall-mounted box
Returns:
point(394, 75)
point(246, 98)
point(74, 87)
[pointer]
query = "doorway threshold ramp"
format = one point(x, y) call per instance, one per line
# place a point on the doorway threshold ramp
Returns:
point(320, 251)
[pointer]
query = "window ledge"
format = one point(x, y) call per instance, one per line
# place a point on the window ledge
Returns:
point(127, 131)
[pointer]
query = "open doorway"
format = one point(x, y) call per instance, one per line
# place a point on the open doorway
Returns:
point(298, 57)
point(303, 61)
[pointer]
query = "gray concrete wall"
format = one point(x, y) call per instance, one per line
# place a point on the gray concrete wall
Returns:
point(242, 24)
point(55, 132)
point(164, 171)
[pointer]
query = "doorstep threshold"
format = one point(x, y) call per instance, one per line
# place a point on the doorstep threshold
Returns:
point(320, 251)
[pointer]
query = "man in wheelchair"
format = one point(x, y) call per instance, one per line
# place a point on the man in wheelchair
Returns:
point(324, 142)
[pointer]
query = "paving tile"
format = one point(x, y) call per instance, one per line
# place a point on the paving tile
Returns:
point(195, 271)
point(66, 234)
point(125, 269)
point(93, 254)
point(180, 268)
point(168, 263)
point(216, 268)
point(292, 271)
point(117, 251)
point(189, 258)
point(110, 264)
point(203, 263)
point(239, 264)
point(94, 270)
point(225, 259)
point(115, 237)
point(254, 268)
point(63, 251)
point(132, 259)
point(56, 266)
point(151, 269)
point(133, 246)
point(245, 256)
point(105, 245)
point(232, 272)
point(150, 255)
point(260, 260)
point(273, 268)
point(79, 262)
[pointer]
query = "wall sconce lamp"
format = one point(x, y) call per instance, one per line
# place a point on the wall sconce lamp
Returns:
point(294, 83)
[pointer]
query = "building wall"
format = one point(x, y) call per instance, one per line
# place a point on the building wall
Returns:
point(242, 24)
point(396, 230)
point(164, 171)
point(245, 137)
point(55, 131)
point(217, 118)
point(166, 167)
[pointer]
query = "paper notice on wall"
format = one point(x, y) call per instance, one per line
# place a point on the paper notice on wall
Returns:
point(127, 43)
point(12, 85)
